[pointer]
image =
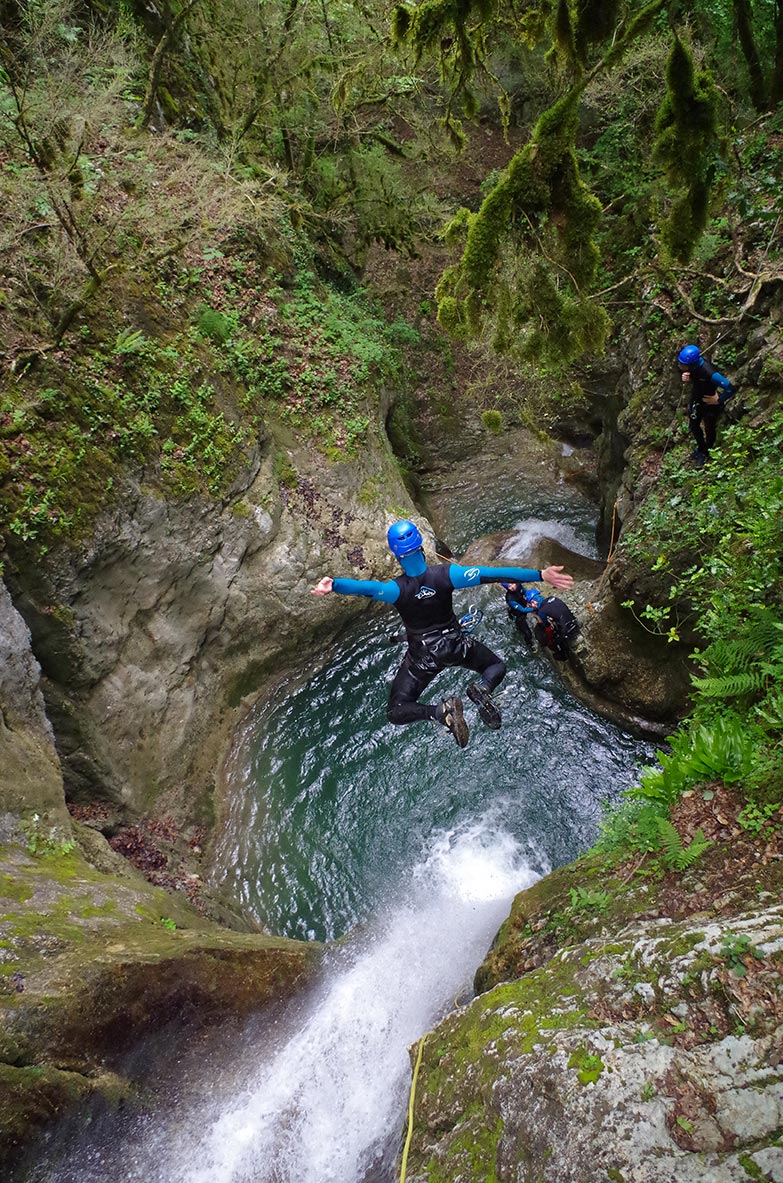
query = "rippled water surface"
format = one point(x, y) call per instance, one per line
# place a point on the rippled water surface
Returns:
point(331, 803)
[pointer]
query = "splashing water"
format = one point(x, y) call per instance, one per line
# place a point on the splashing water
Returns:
point(532, 529)
point(340, 823)
point(331, 1099)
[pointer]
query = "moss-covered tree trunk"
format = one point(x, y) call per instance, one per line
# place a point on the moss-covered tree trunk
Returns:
point(743, 15)
point(776, 86)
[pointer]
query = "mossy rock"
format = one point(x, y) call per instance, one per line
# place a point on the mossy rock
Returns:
point(35, 1096)
point(92, 963)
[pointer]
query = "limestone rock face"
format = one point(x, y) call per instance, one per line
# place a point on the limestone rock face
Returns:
point(150, 636)
point(31, 780)
point(634, 1046)
point(642, 676)
point(90, 963)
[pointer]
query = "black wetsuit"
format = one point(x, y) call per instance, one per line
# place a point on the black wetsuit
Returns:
point(435, 639)
point(703, 417)
point(554, 623)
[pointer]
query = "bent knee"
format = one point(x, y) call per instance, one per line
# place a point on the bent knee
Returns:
point(394, 711)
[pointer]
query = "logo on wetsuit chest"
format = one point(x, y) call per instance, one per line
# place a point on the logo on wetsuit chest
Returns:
point(426, 593)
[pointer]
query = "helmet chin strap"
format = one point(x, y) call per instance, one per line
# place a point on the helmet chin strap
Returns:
point(414, 563)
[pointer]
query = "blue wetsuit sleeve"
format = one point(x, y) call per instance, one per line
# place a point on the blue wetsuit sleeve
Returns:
point(719, 380)
point(473, 576)
point(388, 591)
point(515, 604)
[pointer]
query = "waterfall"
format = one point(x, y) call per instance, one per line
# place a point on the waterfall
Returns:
point(330, 1099)
point(324, 1104)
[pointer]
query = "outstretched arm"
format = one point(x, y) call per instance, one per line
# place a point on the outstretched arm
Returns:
point(472, 576)
point(374, 589)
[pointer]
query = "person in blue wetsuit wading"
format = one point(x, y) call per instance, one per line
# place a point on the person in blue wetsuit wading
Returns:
point(423, 597)
point(554, 624)
point(709, 393)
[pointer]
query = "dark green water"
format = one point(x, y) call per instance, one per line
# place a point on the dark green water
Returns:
point(332, 805)
point(484, 497)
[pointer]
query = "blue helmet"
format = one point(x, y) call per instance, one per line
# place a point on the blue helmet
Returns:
point(404, 538)
point(689, 355)
point(533, 597)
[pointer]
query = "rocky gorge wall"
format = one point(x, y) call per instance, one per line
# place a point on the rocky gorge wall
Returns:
point(627, 1027)
point(150, 636)
point(153, 636)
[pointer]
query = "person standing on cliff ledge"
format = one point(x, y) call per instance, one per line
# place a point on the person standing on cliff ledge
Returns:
point(709, 393)
point(423, 597)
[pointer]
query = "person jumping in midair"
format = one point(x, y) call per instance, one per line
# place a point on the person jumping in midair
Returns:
point(423, 597)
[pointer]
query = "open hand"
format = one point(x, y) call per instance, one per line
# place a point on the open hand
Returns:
point(323, 587)
point(556, 577)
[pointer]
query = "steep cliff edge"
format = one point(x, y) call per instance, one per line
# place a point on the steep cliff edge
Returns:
point(150, 635)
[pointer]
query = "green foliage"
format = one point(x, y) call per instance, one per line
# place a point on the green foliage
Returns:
point(663, 784)
point(588, 899)
point(735, 732)
point(735, 950)
point(589, 1065)
point(42, 842)
point(493, 421)
point(737, 518)
point(724, 748)
point(686, 144)
point(631, 826)
point(218, 326)
point(675, 854)
point(129, 342)
point(756, 819)
point(540, 201)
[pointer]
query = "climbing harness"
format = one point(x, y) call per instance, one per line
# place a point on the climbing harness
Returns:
point(411, 1100)
point(471, 619)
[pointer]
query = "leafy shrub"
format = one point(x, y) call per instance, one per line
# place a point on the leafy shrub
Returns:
point(219, 327)
point(493, 421)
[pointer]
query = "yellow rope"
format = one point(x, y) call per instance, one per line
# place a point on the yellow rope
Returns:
point(610, 556)
point(409, 1136)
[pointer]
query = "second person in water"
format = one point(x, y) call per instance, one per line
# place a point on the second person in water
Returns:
point(423, 596)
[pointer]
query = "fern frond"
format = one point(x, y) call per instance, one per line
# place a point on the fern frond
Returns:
point(757, 647)
point(770, 710)
point(675, 854)
point(671, 842)
point(695, 849)
point(732, 685)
